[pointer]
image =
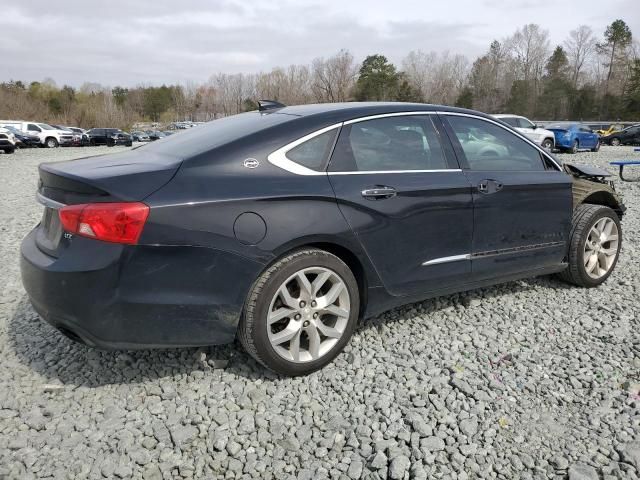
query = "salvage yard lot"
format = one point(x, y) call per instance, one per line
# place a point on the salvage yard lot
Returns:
point(531, 379)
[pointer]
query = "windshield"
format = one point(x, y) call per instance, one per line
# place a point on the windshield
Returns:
point(44, 126)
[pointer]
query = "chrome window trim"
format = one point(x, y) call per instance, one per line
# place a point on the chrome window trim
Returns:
point(47, 202)
point(371, 172)
point(452, 258)
point(540, 149)
point(279, 157)
point(385, 115)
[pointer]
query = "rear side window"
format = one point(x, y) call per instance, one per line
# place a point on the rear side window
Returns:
point(487, 146)
point(33, 127)
point(314, 152)
point(391, 143)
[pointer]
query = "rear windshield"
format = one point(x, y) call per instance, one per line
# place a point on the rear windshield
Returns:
point(210, 135)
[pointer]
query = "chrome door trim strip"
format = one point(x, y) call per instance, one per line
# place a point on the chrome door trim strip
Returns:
point(453, 258)
point(365, 172)
point(47, 202)
point(539, 148)
point(279, 157)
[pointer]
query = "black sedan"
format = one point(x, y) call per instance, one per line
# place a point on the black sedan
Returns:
point(23, 140)
point(287, 225)
point(626, 136)
point(109, 137)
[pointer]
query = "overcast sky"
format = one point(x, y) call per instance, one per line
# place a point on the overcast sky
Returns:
point(116, 42)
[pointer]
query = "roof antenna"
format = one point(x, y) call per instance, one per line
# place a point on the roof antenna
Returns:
point(269, 105)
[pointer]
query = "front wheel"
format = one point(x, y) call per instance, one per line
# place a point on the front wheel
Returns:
point(547, 144)
point(9, 150)
point(594, 245)
point(615, 142)
point(574, 147)
point(51, 142)
point(300, 312)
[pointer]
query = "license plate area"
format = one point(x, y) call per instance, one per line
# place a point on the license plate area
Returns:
point(50, 231)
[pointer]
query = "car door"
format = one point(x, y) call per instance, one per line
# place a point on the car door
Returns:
point(401, 190)
point(522, 200)
point(587, 138)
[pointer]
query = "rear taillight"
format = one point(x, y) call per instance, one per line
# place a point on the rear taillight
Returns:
point(111, 222)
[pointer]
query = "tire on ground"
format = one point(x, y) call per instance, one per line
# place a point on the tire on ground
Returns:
point(252, 329)
point(585, 217)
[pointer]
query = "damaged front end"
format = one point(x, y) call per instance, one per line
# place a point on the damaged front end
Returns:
point(593, 185)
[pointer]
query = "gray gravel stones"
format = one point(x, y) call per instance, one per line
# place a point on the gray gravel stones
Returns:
point(531, 379)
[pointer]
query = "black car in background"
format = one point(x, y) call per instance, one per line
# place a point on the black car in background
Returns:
point(626, 136)
point(24, 139)
point(155, 135)
point(287, 225)
point(109, 137)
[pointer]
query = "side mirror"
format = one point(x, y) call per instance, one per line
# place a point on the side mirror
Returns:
point(534, 126)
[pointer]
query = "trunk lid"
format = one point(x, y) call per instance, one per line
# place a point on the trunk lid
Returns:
point(123, 177)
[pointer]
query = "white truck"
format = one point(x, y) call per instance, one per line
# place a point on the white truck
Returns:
point(544, 138)
point(49, 136)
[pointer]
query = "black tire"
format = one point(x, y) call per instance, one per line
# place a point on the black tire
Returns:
point(9, 150)
point(252, 330)
point(597, 147)
point(51, 142)
point(574, 147)
point(615, 141)
point(585, 217)
point(547, 144)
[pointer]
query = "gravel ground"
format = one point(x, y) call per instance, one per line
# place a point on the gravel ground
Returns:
point(532, 379)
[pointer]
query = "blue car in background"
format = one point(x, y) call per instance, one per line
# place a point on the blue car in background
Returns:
point(571, 137)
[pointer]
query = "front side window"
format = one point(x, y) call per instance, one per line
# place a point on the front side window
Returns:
point(33, 128)
point(314, 152)
point(524, 123)
point(488, 146)
point(391, 143)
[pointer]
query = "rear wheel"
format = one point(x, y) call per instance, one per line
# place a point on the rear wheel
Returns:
point(615, 142)
point(595, 240)
point(300, 312)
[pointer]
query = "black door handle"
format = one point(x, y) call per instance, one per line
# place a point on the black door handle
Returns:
point(379, 192)
point(489, 186)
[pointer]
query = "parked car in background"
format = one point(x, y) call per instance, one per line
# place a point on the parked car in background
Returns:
point(7, 141)
point(627, 136)
point(138, 136)
point(23, 140)
point(155, 135)
point(120, 138)
point(168, 133)
point(283, 227)
point(571, 137)
point(544, 138)
point(106, 136)
point(604, 131)
point(49, 136)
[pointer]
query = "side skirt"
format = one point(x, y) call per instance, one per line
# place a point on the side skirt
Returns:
point(380, 300)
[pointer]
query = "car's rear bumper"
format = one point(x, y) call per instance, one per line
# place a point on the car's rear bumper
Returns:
point(114, 296)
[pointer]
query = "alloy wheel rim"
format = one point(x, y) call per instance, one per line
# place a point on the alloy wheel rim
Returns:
point(601, 248)
point(308, 314)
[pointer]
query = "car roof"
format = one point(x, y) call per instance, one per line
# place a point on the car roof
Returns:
point(349, 110)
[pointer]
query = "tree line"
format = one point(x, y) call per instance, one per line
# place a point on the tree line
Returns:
point(587, 77)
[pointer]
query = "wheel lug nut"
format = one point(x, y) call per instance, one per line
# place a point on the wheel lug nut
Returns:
point(306, 323)
point(315, 315)
point(313, 304)
point(303, 304)
point(298, 316)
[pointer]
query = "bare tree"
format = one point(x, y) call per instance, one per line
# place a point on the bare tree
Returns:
point(580, 46)
point(333, 79)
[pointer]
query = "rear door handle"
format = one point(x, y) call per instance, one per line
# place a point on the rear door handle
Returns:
point(379, 192)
